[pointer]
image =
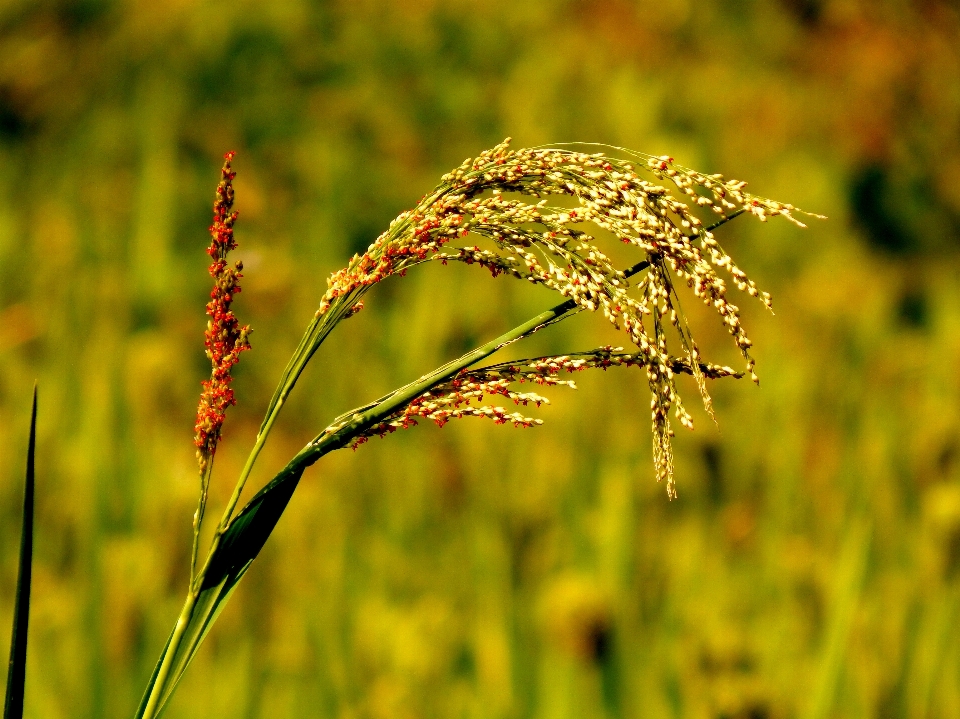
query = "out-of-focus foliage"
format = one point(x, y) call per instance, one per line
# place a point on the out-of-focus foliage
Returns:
point(810, 568)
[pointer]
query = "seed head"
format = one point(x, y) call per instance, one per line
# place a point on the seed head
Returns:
point(224, 338)
point(551, 246)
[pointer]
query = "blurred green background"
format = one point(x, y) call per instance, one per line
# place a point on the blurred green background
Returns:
point(810, 568)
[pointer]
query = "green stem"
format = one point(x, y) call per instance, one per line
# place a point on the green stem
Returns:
point(316, 333)
point(248, 467)
point(198, 517)
point(339, 436)
point(156, 692)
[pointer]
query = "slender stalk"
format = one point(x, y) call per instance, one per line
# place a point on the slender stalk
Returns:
point(316, 333)
point(247, 468)
point(198, 516)
point(153, 701)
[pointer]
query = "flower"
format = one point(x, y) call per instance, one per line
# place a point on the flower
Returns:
point(224, 338)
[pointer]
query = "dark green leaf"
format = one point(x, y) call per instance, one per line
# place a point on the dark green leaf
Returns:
point(17, 672)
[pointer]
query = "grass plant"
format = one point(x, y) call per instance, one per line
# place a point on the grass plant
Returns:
point(503, 198)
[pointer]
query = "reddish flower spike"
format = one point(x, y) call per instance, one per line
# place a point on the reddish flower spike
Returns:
point(224, 339)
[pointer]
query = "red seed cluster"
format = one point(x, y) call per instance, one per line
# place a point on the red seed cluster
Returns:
point(423, 235)
point(224, 339)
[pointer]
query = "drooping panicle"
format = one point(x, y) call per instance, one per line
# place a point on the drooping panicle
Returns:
point(225, 339)
point(630, 195)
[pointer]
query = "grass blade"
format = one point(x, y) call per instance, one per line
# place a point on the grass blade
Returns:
point(17, 672)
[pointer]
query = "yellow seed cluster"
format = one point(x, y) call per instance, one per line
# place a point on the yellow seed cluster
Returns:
point(550, 246)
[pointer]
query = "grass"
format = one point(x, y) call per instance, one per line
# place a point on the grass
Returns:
point(408, 578)
point(539, 243)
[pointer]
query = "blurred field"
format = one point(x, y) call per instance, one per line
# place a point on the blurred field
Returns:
point(810, 568)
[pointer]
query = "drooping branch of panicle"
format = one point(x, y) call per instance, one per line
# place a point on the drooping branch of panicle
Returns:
point(456, 399)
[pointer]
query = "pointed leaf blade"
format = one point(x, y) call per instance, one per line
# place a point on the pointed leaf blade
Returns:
point(17, 671)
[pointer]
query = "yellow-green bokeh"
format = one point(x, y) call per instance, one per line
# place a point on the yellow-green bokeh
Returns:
point(811, 566)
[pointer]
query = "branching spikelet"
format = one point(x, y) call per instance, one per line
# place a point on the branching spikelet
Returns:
point(550, 246)
point(455, 399)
